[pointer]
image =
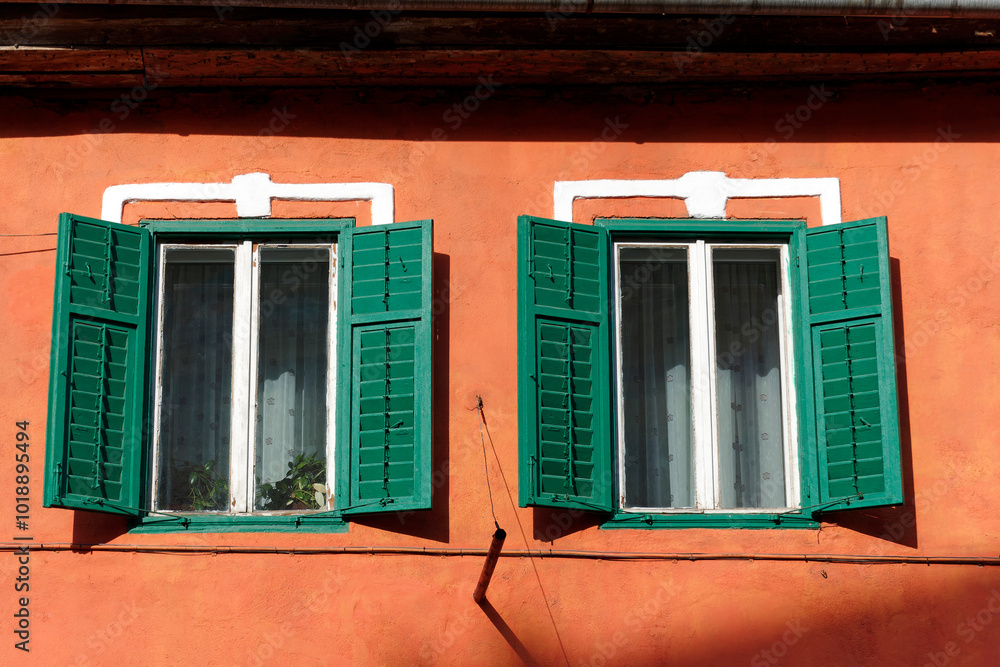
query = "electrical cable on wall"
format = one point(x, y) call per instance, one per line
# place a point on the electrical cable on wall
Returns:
point(486, 467)
point(27, 252)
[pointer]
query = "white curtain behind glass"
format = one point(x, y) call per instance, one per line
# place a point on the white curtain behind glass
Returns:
point(196, 376)
point(656, 393)
point(292, 360)
point(751, 453)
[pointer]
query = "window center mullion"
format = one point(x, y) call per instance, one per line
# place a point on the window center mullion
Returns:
point(244, 365)
point(702, 403)
point(711, 336)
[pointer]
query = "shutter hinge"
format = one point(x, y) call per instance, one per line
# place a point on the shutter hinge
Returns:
point(568, 299)
point(531, 251)
point(106, 292)
point(843, 269)
point(385, 248)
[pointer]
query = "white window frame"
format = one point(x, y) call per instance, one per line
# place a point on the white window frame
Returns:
point(704, 399)
point(243, 407)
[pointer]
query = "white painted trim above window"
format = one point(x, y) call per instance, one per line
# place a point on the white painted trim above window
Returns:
point(252, 194)
point(704, 192)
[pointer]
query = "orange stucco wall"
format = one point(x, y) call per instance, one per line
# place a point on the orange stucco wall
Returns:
point(95, 608)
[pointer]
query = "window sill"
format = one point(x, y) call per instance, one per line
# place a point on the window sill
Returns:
point(207, 523)
point(709, 520)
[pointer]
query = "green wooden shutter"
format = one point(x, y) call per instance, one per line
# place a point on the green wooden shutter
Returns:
point(384, 369)
point(564, 397)
point(857, 458)
point(94, 448)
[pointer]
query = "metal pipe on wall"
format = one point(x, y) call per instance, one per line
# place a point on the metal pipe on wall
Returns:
point(847, 559)
point(491, 562)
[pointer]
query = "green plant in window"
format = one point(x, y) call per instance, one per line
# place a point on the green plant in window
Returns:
point(208, 489)
point(303, 487)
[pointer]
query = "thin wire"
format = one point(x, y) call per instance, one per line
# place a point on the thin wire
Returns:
point(139, 510)
point(25, 252)
point(486, 467)
point(848, 499)
point(520, 527)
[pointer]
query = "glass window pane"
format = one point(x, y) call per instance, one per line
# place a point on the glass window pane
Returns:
point(748, 377)
point(196, 376)
point(291, 412)
point(656, 394)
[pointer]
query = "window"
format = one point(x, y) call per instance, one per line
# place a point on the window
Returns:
point(204, 374)
point(702, 373)
point(207, 454)
point(703, 390)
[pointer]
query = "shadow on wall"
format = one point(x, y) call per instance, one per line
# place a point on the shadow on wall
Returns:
point(551, 523)
point(893, 524)
point(748, 613)
point(506, 632)
point(433, 524)
point(749, 115)
point(97, 528)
